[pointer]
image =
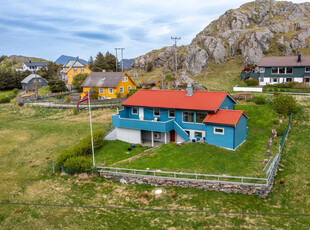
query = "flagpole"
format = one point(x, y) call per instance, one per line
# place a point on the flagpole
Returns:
point(91, 128)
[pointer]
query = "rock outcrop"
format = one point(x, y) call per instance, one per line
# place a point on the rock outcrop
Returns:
point(256, 29)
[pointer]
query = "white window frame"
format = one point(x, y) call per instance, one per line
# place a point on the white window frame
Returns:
point(306, 69)
point(192, 122)
point(219, 133)
point(125, 79)
point(169, 113)
point(110, 90)
point(202, 120)
point(75, 70)
point(286, 70)
point(82, 70)
point(262, 69)
point(121, 89)
point(132, 110)
point(129, 88)
point(100, 90)
point(158, 112)
point(198, 132)
point(261, 79)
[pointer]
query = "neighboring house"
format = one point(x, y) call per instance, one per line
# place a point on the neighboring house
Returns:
point(181, 116)
point(152, 83)
point(109, 84)
point(71, 69)
point(274, 70)
point(32, 66)
point(32, 82)
point(63, 59)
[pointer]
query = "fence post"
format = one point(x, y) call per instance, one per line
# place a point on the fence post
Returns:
point(62, 168)
point(241, 180)
point(53, 167)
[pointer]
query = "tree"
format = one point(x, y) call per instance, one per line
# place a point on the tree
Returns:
point(51, 71)
point(99, 63)
point(149, 67)
point(78, 81)
point(91, 62)
point(110, 63)
point(94, 92)
point(57, 86)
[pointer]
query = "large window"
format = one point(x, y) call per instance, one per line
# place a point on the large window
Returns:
point(110, 90)
point(188, 116)
point(281, 70)
point(171, 113)
point(217, 130)
point(274, 70)
point(100, 90)
point(289, 70)
point(156, 112)
point(200, 116)
point(121, 89)
point(134, 110)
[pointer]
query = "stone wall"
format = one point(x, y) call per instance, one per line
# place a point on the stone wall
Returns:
point(259, 190)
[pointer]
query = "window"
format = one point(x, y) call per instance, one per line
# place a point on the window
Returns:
point(288, 79)
point(262, 69)
point(307, 69)
point(75, 70)
point(110, 90)
point(82, 70)
point(121, 89)
point(281, 70)
point(307, 80)
point(198, 134)
point(217, 130)
point(125, 79)
point(201, 116)
point(289, 70)
point(261, 79)
point(188, 116)
point(156, 112)
point(100, 90)
point(274, 70)
point(171, 113)
point(274, 79)
point(134, 110)
point(129, 88)
point(188, 133)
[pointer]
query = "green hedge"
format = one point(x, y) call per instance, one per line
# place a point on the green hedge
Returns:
point(78, 164)
point(259, 100)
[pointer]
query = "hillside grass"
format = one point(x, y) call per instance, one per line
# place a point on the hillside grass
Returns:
point(31, 137)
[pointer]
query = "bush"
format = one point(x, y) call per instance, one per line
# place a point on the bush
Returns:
point(57, 86)
point(149, 67)
point(251, 82)
point(285, 104)
point(259, 100)
point(275, 121)
point(63, 156)
point(168, 77)
point(132, 91)
point(15, 91)
point(78, 164)
point(248, 99)
point(281, 129)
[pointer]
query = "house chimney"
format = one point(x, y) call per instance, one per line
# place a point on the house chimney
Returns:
point(104, 71)
point(190, 90)
point(77, 58)
point(299, 57)
point(29, 61)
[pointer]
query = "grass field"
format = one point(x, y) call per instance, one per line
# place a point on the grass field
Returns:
point(30, 139)
point(203, 158)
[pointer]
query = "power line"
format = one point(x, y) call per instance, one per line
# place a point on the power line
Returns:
point(122, 50)
point(176, 39)
point(157, 210)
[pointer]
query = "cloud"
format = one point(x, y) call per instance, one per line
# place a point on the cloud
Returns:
point(98, 36)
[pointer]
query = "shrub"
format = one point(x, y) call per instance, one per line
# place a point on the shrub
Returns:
point(259, 100)
point(281, 129)
point(15, 91)
point(63, 156)
point(5, 100)
point(132, 91)
point(285, 104)
point(78, 164)
point(251, 82)
point(275, 121)
point(149, 67)
point(57, 86)
point(248, 99)
point(168, 77)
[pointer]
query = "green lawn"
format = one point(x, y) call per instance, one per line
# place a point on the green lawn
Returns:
point(30, 139)
point(203, 158)
point(6, 93)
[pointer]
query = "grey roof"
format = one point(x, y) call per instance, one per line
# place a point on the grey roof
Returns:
point(103, 79)
point(74, 63)
point(284, 61)
point(30, 77)
point(35, 63)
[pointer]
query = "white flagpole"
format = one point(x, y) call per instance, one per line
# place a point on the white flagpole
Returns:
point(91, 129)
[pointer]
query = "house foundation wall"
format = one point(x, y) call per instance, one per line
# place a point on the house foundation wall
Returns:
point(128, 135)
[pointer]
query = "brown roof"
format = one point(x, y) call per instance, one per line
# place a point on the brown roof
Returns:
point(284, 61)
point(103, 79)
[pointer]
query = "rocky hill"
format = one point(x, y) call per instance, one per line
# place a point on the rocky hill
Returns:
point(18, 60)
point(256, 29)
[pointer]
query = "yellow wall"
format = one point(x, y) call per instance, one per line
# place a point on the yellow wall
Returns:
point(71, 73)
point(115, 90)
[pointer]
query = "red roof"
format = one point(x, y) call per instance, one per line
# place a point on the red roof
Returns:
point(224, 116)
point(200, 100)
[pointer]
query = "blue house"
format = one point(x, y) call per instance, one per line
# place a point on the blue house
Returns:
point(150, 116)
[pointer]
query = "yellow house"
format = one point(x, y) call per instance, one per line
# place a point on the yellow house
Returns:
point(73, 68)
point(109, 84)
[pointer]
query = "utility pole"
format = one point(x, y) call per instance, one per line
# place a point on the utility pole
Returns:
point(122, 50)
point(176, 39)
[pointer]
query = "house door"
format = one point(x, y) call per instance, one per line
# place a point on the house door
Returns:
point(172, 136)
point(141, 112)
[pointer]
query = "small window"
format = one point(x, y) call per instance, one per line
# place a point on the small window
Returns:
point(171, 113)
point(261, 79)
point(262, 69)
point(110, 90)
point(308, 69)
point(288, 79)
point(188, 132)
point(100, 90)
point(156, 112)
point(218, 130)
point(307, 80)
point(129, 88)
point(274, 79)
point(289, 70)
point(134, 110)
point(281, 70)
point(188, 116)
point(121, 89)
point(125, 79)
point(198, 134)
point(201, 116)
point(274, 70)
point(82, 70)
point(75, 70)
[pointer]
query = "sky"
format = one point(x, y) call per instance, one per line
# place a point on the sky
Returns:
point(48, 29)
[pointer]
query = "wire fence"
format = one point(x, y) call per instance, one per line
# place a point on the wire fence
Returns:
point(270, 169)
